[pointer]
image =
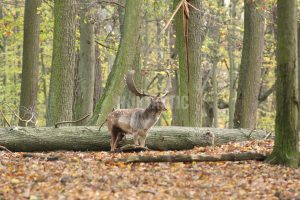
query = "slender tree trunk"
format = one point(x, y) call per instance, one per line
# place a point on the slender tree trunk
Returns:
point(215, 93)
point(232, 65)
point(98, 72)
point(29, 83)
point(124, 60)
point(173, 55)
point(174, 100)
point(44, 81)
point(286, 149)
point(63, 63)
point(84, 93)
point(188, 41)
point(298, 56)
point(249, 76)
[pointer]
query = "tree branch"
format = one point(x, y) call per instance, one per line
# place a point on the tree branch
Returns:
point(263, 96)
point(194, 158)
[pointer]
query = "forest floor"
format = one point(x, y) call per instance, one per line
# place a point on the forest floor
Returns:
point(94, 175)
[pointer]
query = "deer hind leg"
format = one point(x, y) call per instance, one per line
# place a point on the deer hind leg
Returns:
point(114, 136)
point(119, 138)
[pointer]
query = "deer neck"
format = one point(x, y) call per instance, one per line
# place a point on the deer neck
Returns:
point(151, 112)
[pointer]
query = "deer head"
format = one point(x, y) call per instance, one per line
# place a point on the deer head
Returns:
point(157, 101)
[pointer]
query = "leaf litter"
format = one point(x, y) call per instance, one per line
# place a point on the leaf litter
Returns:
point(95, 175)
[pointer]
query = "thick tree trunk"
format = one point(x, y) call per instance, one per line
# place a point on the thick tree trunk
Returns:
point(188, 41)
point(129, 100)
point(249, 78)
point(124, 60)
point(63, 63)
point(194, 158)
point(89, 138)
point(29, 85)
point(286, 147)
point(84, 93)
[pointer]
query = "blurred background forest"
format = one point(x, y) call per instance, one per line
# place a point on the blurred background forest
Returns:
point(221, 52)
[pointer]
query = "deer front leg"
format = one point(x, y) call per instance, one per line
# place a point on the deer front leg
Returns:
point(142, 140)
point(136, 139)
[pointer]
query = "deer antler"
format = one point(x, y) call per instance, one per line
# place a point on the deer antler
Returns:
point(168, 87)
point(131, 85)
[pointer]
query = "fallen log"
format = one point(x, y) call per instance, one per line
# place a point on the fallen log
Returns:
point(194, 158)
point(82, 138)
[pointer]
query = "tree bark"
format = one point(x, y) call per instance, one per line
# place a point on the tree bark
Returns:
point(89, 138)
point(84, 93)
point(129, 100)
point(249, 76)
point(286, 146)
point(98, 72)
point(30, 68)
point(124, 60)
point(194, 158)
point(215, 93)
point(232, 65)
point(188, 41)
point(63, 63)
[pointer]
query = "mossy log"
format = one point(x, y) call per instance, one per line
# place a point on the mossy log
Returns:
point(82, 138)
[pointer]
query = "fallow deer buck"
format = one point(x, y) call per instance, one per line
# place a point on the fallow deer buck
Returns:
point(136, 121)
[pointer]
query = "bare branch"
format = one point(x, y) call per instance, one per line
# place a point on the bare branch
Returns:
point(111, 2)
point(67, 122)
point(5, 120)
point(4, 148)
point(263, 96)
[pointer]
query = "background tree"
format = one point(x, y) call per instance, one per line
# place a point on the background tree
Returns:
point(30, 64)
point(63, 62)
point(232, 66)
point(124, 60)
point(249, 75)
point(84, 92)
point(286, 149)
point(188, 43)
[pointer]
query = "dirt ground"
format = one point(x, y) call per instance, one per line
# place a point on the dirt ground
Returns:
point(95, 175)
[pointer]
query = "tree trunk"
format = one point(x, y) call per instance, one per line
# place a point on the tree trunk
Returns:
point(98, 73)
point(286, 146)
point(30, 68)
point(124, 60)
point(249, 76)
point(298, 57)
point(89, 138)
point(232, 65)
point(215, 92)
point(44, 81)
point(63, 63)
point(84, 93)
point(128, 99)
point(188, 41)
